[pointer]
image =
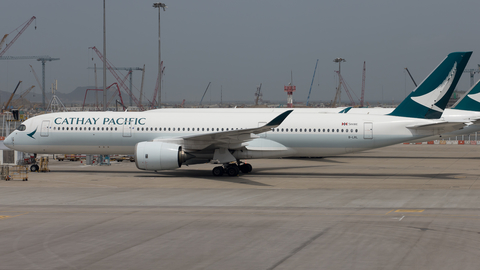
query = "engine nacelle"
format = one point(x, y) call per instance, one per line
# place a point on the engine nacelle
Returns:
point(158, 156)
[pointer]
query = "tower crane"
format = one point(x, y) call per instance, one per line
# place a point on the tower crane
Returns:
point(25, 25)
point(117, 77)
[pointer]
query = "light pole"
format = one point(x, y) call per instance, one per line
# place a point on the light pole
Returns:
point(104, 61)
point(163, 6)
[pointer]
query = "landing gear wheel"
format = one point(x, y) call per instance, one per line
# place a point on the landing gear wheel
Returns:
point(217, 171)
point(246, 168)
point(34, 168)
point(232, 170)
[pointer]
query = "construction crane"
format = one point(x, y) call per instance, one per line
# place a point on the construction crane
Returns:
point(347, 88)
point(44, 60)
point(101, 90)
point(36, 78)
point(3, 41)
point(362, 97)
point(25, 25)
point(26, 92)
point(310, 91)
point(338, 93)
point(472, 72)
point(141, 86)
point(131, 76)
point(156, 87)
point(114, 73)
point(11, 96)
point(258, 94)
point(411, 77)
point(205, 93)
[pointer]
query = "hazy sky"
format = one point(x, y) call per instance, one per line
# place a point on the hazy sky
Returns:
point(237, 45)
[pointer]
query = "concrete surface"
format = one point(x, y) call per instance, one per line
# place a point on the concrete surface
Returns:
point(401, 207)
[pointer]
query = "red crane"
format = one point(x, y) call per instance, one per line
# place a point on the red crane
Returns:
point(119, 80)
point(25, 25)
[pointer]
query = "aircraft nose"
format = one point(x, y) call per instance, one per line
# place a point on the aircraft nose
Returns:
point(8, 142)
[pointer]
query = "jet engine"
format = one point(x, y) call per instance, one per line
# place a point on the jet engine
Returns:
point(159, 156)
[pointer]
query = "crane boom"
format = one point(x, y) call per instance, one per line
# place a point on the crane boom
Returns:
point(27, 91)
point(11, 96)
point(35, 74)
point(315, 70)
point(26, 24)
point(119, 80)
point(205, 92)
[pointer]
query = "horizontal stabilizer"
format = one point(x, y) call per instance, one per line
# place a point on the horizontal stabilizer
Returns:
point(440, 127)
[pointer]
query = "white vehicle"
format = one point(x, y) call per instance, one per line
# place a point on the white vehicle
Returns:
point(165, 139)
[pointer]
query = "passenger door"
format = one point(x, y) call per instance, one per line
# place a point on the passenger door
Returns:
point(368, 130)
point(44, 128)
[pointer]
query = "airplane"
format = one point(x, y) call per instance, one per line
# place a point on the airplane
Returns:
point(165, 139)
point(465, 109)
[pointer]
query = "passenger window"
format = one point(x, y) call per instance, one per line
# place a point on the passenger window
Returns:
point(346, 130)
point(115, 129)
point(356, 130)
point(102, 128)
point(342, 129)
point(138, 128)
point(203, 129)
point(328, 130)
point(337, 130)
point(89, 128)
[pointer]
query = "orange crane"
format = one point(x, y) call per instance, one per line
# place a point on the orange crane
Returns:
point(25, 25)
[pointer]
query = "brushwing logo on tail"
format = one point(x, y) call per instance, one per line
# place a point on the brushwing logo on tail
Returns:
point(439, 92)
point(475, 97)
point(32, 133)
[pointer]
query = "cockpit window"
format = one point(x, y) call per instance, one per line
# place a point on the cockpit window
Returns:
point(21, 128)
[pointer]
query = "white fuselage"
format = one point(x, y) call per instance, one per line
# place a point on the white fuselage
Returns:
point(304, 133)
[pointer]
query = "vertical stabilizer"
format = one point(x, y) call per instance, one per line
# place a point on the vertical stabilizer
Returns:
point(471, 100)
point(430, 98)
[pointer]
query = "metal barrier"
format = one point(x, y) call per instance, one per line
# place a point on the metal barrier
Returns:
point(16, 172)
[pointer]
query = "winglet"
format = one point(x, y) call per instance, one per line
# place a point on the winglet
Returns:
point(279, 119)
point(431, 96)
point(470, 101)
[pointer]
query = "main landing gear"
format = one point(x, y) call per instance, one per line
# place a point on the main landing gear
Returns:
point(232, 169)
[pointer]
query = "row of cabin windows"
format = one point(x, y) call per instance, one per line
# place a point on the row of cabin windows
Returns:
point(85, 128)
point(338, 130)
point(208, 129)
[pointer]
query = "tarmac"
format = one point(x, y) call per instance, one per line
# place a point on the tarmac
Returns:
point(400, 207)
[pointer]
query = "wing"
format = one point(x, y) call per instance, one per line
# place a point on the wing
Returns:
point(233, 139)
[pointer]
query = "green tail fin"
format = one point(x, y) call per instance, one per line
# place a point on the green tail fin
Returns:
point(431, 96)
